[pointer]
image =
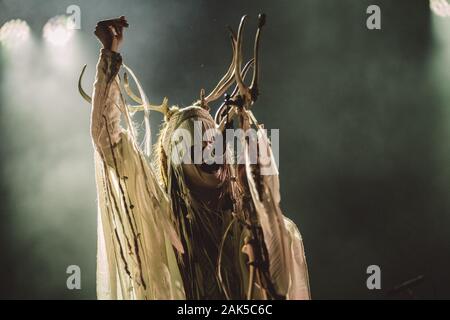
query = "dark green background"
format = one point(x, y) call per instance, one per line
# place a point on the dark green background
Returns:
point(363, 125)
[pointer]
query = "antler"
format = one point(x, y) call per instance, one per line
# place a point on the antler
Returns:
point(242, 95)
point(163, 107)
point(238, 53)
point(227, 79)
point(249, 94)
point(219, 114)
point(128, 90)
point(254, 89)
point(80, 88)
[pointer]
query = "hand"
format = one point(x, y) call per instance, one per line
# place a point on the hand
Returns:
point(110, 32)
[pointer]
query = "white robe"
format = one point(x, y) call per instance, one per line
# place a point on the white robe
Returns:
point(137, 241)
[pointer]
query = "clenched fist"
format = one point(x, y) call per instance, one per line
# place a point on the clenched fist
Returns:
point(110, 32)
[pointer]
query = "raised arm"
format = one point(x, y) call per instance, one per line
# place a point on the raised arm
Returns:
point(107, 102)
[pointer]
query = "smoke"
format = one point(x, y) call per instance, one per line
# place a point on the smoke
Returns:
point(362, 117)
point(47, 167)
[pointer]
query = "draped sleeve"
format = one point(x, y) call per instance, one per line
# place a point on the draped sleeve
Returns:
point(137, 243)
point(283, 242)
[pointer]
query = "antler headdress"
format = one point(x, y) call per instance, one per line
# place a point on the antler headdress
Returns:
point(242, 96)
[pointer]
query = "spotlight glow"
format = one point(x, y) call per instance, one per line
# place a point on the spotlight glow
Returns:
point(440, 7)
point(58, 31)
point(14, 33)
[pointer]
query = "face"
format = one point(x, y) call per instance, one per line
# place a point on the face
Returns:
point(195, 143)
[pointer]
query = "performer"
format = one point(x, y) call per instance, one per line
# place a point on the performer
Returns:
point(170, 229)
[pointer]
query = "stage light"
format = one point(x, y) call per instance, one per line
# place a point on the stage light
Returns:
point(58, 30)
point(441, 26)
point(440, 7)
point(14, 33)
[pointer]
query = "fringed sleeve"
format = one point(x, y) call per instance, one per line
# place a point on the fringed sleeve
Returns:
point(136, 239)
point(287, 263)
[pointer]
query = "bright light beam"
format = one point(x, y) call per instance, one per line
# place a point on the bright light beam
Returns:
point(58, 30)
point(440, 7)
point(14, 33)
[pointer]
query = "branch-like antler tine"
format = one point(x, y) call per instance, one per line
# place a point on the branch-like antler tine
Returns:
point(128, 90)
point(220, 91)
point(238, 53)
point(229, 75)
point(254, 84)
point(163, 108)
point(243, 74)
point(80, 88)
point(142, 100)
point(218, 116)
